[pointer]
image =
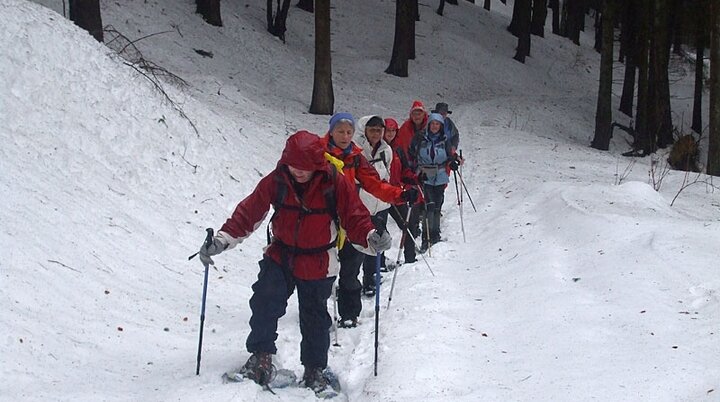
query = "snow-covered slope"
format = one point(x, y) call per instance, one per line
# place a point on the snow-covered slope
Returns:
point(570, 287)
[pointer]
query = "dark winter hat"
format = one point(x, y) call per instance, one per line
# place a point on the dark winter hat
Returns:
point(441, 107)
point(342, 116)
point(375, 121)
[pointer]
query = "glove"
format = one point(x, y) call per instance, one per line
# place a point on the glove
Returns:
point(454, 164)
point(217, 246)
point(410, 195)
point(421, 177)
point(379, 241)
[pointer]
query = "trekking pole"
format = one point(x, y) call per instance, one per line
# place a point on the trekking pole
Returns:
point(208, 242)
point(427, 227)
point(467, 192)
point(459, 202)
point(402, 241)
point(461, 169)
point(407, 230)
point(377, 307)
point(335, 317)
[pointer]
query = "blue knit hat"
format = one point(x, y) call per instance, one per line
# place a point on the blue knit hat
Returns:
point(338, 117)
point(436, 117)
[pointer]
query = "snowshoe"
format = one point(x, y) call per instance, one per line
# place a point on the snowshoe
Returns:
point(348, 323)
point(259, 368)
point(324, 383)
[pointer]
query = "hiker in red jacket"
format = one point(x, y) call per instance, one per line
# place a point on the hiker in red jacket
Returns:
point(400, 174)
point(307, 195)
point(358, 171)
point(414, 125)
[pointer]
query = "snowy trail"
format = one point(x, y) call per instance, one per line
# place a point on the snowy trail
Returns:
point(571, 285)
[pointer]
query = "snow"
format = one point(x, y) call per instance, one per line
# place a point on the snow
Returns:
point(578, 280)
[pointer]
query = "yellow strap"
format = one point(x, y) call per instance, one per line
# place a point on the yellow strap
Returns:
point(339, 164)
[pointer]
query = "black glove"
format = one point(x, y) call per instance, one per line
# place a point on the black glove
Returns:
point(410, 195)
point(454, 164)
point(422, 177)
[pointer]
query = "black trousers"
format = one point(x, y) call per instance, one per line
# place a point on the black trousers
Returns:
point(399, 213)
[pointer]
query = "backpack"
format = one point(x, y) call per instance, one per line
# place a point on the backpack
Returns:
point(330, 209)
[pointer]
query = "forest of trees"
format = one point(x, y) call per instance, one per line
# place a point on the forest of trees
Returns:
point(643, 35)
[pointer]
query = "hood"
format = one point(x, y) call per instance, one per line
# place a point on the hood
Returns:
point(304, 150)
point(391, 124)
point(359, 139)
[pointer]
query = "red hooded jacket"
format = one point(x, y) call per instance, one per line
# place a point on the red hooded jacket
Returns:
point(301, 240)
point(407, 131)
point(358, 168)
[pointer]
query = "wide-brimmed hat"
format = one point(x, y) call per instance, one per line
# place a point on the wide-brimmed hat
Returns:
point(441, 107)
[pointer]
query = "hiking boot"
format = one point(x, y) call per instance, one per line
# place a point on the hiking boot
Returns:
point(369, 290)
point(259, 368)
point(315, 380)
point(348, 323)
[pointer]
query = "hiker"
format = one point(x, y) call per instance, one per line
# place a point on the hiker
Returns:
point(412, 127)
point(380, 156)
point(307, 194)
point(451, 131)
point(433, 154)
point(400, 173)
point(356, 168)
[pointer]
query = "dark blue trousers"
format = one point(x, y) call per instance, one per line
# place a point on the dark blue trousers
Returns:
point(434, 198)
point(268, 303)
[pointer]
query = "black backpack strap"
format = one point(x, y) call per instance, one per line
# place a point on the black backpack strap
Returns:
point(280, 195)
point(330, 201)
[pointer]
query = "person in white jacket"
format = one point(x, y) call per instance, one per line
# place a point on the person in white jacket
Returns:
point(371, 129)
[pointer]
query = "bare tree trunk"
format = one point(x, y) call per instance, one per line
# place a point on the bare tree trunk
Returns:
point(603, 114)
point(515, 20)
point(441, 8)
point(279, 25)
point(628, 45)
point(401, 44)
point(713, 162)
point(676, 24)
point(699, 76)
point(660, 62)
point(86, 15)
point(486, 5)
point(306, 5)
point(555, 7)
point(523, 28)
point(539, 15)
point(323, 98)
point(575, 18)
point(643, 138)
point(269, 15)
point(416, 14)
point(210, 11)
point(598, 32)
